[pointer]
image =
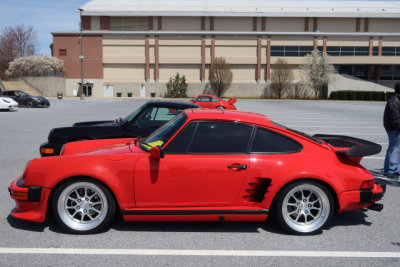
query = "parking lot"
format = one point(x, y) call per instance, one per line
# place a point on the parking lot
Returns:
point(352, 239)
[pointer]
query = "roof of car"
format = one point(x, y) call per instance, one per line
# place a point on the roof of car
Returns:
point(172, 104)
point(228, 115)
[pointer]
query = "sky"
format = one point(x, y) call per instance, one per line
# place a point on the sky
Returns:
point(45, 16)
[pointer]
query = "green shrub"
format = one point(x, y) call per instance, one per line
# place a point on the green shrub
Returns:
point(177, 87)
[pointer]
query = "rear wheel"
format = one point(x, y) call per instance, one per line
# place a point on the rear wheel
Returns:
point(220, 107)
point(83, 206)
point(30, 103)
point(304, 207)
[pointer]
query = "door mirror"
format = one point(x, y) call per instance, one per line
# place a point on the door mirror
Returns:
point(157, 153)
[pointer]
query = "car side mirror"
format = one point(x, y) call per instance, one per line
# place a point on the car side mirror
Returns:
point(157, 153)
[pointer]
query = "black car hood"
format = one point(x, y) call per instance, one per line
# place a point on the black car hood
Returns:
point(97, 123)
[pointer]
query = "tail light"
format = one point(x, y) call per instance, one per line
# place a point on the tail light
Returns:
point(368, 184)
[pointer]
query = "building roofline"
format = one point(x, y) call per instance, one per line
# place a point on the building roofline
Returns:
point(353, 34)
point(243, 8)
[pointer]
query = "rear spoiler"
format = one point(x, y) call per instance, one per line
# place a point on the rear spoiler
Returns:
point(350, 146)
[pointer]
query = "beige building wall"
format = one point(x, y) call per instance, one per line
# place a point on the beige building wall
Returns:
point(181, 24)
point(384, 25)
point(191, 72)
point(336, 25)
point(234, 24)
point(285, 25)
point(347, 41)
point(95, 23)
point(124, 72)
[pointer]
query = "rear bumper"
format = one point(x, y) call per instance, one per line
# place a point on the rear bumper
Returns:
point(30, 201)
point(47, 149)
point(360, 199)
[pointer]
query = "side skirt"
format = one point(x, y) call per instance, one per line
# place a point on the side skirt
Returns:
point(203, 214)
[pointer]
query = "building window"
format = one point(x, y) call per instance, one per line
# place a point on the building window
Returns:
point(292, 50)
point(62, 52)
point(129, 23)
point(347, 50)
point(388, 72)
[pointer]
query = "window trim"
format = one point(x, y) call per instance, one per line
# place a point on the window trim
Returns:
point(250, 143)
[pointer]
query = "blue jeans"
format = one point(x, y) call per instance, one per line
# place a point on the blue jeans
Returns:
point(394, 141)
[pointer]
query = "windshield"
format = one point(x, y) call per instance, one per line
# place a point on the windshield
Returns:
point(133, 114)
point(163, 134)
point(22, 93)
point(298, 132)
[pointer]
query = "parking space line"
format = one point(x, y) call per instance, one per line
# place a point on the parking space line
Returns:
point(171, 252)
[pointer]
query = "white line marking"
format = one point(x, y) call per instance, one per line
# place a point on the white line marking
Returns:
point(374, 158)
point(170, 252)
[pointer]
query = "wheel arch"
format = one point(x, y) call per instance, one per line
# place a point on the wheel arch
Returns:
point(50, 201)
point(327, 185)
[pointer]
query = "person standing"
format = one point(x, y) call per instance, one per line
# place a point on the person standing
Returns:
point(391, 122)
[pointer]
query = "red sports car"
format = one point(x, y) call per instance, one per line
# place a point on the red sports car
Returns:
point(203, 165)
point(211, 101)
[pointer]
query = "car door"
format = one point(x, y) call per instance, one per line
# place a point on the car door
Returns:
point(204, 165)
point(215, 102)
point(203, 101)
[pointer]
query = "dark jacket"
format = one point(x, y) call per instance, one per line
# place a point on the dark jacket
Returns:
point(391, 116)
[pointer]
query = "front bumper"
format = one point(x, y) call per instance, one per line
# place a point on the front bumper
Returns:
point(31, 201)
point(360, 199)
point(47, 149)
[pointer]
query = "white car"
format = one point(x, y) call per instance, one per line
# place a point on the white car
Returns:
point(7, 103)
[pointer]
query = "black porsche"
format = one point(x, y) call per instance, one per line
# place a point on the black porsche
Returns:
point(139, 123)
point(25, 99)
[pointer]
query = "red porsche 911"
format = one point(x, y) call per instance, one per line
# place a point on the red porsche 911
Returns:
point(211, 101)
point(203, 165)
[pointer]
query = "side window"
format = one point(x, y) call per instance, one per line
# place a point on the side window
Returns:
point(270, 142)
point(214, 100)
point(166, 114)
point(147, 114)
point(220, 138)
point(181, 142)
point(203, 99)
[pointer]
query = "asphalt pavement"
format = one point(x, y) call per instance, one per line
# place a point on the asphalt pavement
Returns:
point(353, 238)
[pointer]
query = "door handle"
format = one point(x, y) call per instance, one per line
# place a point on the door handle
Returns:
point(237, 167)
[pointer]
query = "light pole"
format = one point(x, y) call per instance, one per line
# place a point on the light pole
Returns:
point(81, 57)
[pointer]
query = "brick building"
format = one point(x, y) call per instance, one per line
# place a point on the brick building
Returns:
point(129, 46)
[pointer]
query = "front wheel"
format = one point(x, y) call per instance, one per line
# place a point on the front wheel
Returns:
point(83, 206)
point(304, 207)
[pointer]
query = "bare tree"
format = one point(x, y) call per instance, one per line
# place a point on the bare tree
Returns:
point(281, 77)
point(16, 41)
point(318, 72)
point(220, 76)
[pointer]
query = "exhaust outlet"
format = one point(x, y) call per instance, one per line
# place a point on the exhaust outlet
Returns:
point(376, 207)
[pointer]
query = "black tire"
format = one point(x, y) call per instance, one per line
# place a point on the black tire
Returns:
point(30, 103)
point(220, 107)
point(304, 207)
point(92, 211)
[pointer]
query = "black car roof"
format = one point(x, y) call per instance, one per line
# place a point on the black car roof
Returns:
point(171, 104)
